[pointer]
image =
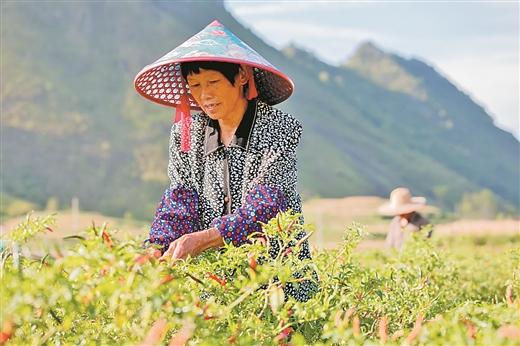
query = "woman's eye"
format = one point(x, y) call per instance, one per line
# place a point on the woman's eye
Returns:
point(214, 81)
point(194, 85)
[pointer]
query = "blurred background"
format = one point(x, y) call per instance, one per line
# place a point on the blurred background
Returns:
point(422, 95)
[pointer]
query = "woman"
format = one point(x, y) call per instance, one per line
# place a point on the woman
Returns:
point(233, 165)
point(406, 218)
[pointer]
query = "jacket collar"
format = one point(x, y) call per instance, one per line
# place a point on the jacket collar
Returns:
point(212, 140)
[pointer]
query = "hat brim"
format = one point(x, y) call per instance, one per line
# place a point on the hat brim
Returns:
point(163, 82)
point(417, 203)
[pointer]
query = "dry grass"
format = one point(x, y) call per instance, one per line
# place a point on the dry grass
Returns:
point(69, 224)
point(479, 227)
point(329, 216)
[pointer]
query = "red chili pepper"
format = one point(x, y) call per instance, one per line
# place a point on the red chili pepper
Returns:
point(207, 316)
point(4, 337)
point(166, 279)
point(471, 329)
point(290, 226)
point(106, 238)
point(49, 229)
point(383, 329)
point(416, 330)
point(286, 332)
point(252, 262)
point(104, 270)
point(7, 331)
point(278, 224)
point(142, 259)
point(287, 251)
point(221, 282)
point(356, 330)
point(86, 300)
point(509, 296)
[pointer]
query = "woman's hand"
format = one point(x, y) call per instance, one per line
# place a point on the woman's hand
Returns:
point(193, 244)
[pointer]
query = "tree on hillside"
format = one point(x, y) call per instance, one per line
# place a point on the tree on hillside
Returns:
point(481, 204)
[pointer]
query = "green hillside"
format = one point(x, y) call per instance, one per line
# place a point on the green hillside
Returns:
point(72, 124)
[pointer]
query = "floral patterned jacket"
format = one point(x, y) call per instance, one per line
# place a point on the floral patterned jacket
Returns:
point(231, 188)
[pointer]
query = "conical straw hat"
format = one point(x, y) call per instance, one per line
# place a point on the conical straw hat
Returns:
point(162, 82)
point(402, 202)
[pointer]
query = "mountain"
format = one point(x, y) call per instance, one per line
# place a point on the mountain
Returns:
point(451, 128)
point(73, 125)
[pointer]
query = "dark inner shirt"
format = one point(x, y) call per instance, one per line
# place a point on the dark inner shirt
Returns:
point(230, 160)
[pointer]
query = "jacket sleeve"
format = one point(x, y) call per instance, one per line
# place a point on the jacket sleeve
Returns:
point(177, 212)
point(271, 191)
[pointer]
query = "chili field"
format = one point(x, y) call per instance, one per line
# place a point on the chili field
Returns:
point(97, 288)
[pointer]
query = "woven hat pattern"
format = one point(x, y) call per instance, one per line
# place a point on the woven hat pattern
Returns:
point(162, 81)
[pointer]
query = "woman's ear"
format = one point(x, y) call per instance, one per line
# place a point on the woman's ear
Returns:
point(242, 75)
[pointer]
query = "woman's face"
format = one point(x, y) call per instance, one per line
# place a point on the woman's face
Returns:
point(213, 92)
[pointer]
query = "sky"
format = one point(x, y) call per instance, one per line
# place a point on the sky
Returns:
point(474, 44)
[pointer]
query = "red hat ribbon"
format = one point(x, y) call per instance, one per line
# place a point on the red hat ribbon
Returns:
point(182, 114)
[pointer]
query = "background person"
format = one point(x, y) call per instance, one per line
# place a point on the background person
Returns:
point(404, 208)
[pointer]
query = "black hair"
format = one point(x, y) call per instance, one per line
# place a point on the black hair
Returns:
point(229, 70)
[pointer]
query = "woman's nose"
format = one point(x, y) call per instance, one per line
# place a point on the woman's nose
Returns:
point(206, 92)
